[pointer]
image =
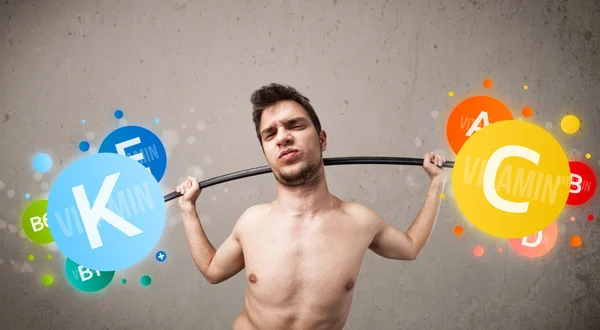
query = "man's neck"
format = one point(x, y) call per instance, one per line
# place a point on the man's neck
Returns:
point(305, 201)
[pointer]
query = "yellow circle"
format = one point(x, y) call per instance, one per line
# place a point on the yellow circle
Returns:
point(588, 156)
point(498, 186)
point(442, 196)
point(525, 87)
point(570, 124)
point(451, 93)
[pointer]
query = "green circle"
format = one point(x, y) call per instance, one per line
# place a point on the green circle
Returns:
point(47, 280)
point(30, 257)
point(85, 279)
point(124, 281)
point(145, 280)
point(48, 257)
point(35, 222)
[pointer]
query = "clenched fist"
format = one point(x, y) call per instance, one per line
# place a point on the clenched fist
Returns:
point(432, 164)
point(190, 190)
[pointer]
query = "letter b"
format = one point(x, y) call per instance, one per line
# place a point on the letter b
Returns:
point(36, 224)
point(86, 273)
point(576, 183)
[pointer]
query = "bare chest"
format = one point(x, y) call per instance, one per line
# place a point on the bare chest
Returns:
point(315, 262)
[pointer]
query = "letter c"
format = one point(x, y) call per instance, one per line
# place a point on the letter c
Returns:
point(491, 170)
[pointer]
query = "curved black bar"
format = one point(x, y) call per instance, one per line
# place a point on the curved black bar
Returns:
point(326, 161)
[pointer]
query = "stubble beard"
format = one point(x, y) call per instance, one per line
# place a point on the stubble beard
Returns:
point(300, 176)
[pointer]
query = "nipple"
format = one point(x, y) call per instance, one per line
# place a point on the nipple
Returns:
point(252, 278)
point(349, 285)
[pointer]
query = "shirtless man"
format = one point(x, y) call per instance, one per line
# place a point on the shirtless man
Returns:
point(302, 252)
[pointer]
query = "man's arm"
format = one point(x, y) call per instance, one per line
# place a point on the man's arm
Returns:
point(216, 265)
point(392, 243)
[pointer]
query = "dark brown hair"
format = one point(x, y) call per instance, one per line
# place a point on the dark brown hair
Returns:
point(268, 95)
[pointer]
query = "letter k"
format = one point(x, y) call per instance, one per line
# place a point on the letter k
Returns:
point(90, 217)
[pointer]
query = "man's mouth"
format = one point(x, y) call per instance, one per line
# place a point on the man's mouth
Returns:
point(286, 152)
point(289, 156)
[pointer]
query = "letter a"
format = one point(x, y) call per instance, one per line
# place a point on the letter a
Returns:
point(475, 126)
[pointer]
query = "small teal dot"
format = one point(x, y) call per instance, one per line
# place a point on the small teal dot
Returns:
point(145, 280)
point(156, 120)
point(83, 121)
point(42, 162)
point(123, 281)
point(119, 114)
point(27, 195)
point(84, 146)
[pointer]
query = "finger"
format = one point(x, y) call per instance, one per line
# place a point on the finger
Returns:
point(438, 160)
point(426, 159)
point(194, 181)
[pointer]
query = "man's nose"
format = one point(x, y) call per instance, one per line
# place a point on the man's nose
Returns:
point(284, 137)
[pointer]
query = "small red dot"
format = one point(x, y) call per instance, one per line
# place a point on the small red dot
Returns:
point(590, 217)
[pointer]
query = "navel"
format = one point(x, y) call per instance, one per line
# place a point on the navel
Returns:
point(252, 278)
point(349, 285)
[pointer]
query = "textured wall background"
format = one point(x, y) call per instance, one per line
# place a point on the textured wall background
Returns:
point(378, 73)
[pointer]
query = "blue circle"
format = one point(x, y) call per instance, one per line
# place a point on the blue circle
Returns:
point(84, 146)
point(42, 162)
point(83, 121)
point(129, 223)
point(161, 256)
point(27, 195)
point(119, 114)
point(139, 144)
point(156, 120)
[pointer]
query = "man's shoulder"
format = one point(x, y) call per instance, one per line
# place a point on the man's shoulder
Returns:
point(357, 209)
point(364, 214)
point(250, 216)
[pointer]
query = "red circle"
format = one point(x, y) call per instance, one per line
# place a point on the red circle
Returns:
point(583, 183)
point(590, 217)
point(478, 251)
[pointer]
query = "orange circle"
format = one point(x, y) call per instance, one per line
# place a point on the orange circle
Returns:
point(499, 250)
point(466, 113)
point(576, 241)
point(536, 245)
point(458, 230)
point(487, 83)
point(478, 251)
point(527, 112)
point(572, 218)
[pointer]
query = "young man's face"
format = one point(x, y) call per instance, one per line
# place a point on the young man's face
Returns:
point(286, 126)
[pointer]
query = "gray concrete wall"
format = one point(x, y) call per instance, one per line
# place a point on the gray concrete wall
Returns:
point(375, 71)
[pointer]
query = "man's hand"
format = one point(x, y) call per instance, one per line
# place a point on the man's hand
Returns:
point(432, 164)
point(190, 189)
